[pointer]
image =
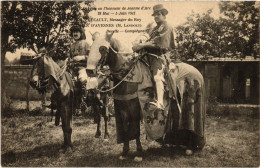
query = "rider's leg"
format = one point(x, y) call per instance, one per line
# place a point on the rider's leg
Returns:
point(158, 74)
point(83, 79)
point(158, 78)
point(83, 75)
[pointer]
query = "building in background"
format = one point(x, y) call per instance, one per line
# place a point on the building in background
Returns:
point(26, 58)
point(231, 80)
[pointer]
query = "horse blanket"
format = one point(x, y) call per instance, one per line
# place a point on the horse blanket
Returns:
point(189, 85)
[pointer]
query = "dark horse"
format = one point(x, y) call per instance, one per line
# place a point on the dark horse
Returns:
point(134, 90)
point(47, 75)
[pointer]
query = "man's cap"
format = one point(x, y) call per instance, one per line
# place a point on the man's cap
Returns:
point(159, 8)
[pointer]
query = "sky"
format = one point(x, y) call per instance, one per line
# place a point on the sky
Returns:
point(177, 14)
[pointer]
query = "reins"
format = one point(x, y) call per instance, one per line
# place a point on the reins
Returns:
point(116, 52)
point(108, 90)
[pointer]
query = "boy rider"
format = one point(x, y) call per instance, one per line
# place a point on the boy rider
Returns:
point(79, 51)
point(161, 42)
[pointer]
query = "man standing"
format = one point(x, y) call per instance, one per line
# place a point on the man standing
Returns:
point(161, 41)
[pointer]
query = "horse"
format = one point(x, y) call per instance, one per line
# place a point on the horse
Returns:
point(47, 75)
point(99, 101)
point(184, 113)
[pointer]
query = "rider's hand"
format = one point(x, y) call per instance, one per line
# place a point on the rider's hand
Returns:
point(79, 58)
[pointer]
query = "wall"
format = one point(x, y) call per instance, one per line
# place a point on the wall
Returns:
point(16, 80)
point(231, 81)
point(225, 80)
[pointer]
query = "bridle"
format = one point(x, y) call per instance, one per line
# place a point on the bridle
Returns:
point(123, 79)
point(41, 84)
point(44, 81)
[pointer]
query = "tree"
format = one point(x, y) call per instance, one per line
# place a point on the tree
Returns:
point(201, 35)
point(187, 37)
point(235, 34)
point(35, 24)
point(245, 16)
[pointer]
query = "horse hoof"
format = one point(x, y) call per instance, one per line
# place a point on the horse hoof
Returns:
point(97, 135)
point(138, 159)
point(122, 158)
point(66, 149)
point(188, 152)
point(62, 150)
point(106, 140)
point(182, 147)
point(154, 144)
point(106, 136)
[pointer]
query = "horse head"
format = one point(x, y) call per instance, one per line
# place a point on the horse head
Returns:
point(98, 52)
point(44, 73)
point(104, 47)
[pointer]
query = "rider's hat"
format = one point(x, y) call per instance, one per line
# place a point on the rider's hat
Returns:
point(159, 8)
point(80, 29)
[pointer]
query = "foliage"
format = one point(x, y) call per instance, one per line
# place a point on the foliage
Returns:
point(212, 106)
point(34, 24)
point(236, 34)
point(5, 103)
point(16, 61)
point(189, 35)
point(245, 16)
point(203, 35)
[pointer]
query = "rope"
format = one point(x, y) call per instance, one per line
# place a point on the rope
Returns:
point(116, 52)
point(154, 55)
point(108, 90)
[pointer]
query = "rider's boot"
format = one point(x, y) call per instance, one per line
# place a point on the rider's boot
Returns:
point(84, 91)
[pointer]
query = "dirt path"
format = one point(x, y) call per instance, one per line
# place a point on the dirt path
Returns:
point(33, 141)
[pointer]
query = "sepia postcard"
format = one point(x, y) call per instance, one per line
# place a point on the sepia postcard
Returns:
point(130, 83)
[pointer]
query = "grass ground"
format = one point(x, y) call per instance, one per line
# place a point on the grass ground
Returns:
point(33, 141)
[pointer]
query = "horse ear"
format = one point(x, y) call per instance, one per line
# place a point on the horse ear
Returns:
point(109, 35)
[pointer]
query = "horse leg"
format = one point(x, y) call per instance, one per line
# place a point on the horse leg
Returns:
point(125, 150)
point(106, 117)
point(106, 136)
point(58, 111)
point(125, 119)
point(139, 150)
point(97, 119)
point(66, 118)
point(57, 117)
point(98, 132)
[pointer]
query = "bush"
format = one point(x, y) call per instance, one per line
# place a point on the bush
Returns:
point(212, 106)
point(6, 102)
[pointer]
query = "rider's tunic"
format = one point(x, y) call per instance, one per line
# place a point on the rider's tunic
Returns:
point(81, 48)
point(163, 38)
